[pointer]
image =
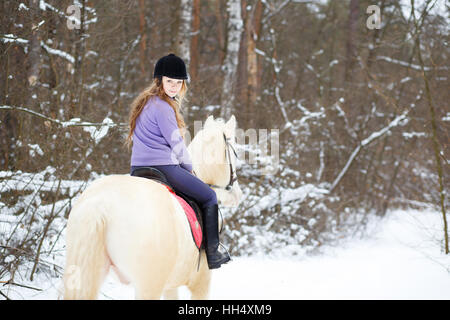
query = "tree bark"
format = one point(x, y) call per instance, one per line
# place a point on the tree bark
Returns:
point(252, 62)
point(155, 36)
point(241, 85)
point(184, 31)
point(76, 94)
point(235, 27)
point(220, 31)
point(195, 50)
point(34, 57)
point(352, 29)
point(436, 146)
point(143, 42)
point(33, 74)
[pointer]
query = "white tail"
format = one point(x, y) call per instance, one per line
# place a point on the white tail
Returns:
point(86, 258)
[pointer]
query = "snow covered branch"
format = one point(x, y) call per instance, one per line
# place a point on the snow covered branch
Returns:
point(59, 53)
point(366, 142)
point(407, 64)
point(276, 68)
point(76, 122)
point(10, 38)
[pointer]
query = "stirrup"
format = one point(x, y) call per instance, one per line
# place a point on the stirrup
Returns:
point(228, 254)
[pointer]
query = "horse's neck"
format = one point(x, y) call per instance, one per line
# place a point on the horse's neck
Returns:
point(199, 147)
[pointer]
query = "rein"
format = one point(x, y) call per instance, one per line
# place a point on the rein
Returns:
point(233, 177)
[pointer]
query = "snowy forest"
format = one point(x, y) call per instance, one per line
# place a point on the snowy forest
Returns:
point(349, 97)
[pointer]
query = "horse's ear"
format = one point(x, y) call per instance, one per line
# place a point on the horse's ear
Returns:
point(209, 120)
point(231, 124)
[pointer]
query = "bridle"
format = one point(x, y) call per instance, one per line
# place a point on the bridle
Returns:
point(233, 176)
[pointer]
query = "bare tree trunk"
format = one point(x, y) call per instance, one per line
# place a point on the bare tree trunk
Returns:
point(234, 31)
point(350, 62)
point(184, 31)
point(142, 29)
point(35, 63)
point(352, 28)
point(76, 94)
point(241, 86)
point(8, 122)
point(252, 61)
point(389, 192)
point(155, 36)
point(220, 31)
point(193, 67)
point(436, 146)
point(34, 57)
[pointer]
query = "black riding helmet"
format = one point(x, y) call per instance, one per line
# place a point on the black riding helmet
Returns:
point(170, 66)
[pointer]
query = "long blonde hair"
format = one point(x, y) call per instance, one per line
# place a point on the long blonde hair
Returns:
point(155, 89)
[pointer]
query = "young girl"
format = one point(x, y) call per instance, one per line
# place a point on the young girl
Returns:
point(156, 135)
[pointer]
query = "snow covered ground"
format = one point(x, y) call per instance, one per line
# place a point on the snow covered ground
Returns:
point(402, 259)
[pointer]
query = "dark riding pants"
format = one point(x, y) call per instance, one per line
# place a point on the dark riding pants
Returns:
point(183, 181)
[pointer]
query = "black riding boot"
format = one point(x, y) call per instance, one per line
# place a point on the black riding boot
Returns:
point(211, 228)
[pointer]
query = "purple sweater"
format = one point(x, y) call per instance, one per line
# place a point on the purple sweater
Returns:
point(157, 139)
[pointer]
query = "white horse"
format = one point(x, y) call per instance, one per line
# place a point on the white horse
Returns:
point(136, 227)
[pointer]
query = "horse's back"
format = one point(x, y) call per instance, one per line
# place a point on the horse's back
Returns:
point(138, 214)
point(124, 186)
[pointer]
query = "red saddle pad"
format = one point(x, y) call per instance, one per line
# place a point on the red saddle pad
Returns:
point(196, 230)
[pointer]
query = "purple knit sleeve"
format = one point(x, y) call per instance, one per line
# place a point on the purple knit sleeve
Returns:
point(167, 123)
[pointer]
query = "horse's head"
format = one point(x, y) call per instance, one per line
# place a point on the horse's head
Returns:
point(214, 159)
